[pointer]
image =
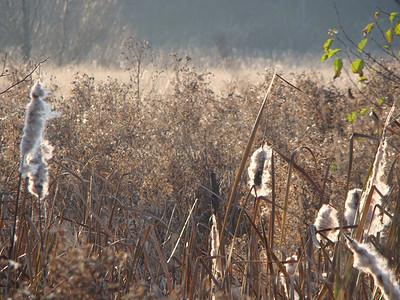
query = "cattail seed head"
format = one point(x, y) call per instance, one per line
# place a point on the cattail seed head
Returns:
point(352, 201)
point(34, 126)
point(259, 171)
point(327, 218)
point(378, 221)
point(368, 260)
point(34, 150)
point(38, 170)
point(292, 268)
point(214, 236)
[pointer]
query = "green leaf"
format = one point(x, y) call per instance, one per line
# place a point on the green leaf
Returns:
point(357, 67)
point(362, 112)
point(368, 28)
point(393, 15)
point(397, 28)
point(362, 44)
point(389, 36)
point(324, 57)
point(334, 166)
point(333, 52)
point(352, 117)
point(328, 44)
point(362, 79)
point(338, 64)
point(382, 100)
point(386, 47)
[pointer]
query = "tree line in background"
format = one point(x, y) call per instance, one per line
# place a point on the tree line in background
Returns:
point(67, 30)
point(94, 31)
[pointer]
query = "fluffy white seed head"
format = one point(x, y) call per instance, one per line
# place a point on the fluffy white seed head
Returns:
point(377, 221)
point(214, 236)
point(292, 268)
point(34, 126)
point(293, 272)
point(259, 171)
point(38, 174)
point(351, 204)
point(368, 260)
point(327, 218)
point(34, 150)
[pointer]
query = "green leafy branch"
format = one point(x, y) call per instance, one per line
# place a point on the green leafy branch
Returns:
point(364, 58)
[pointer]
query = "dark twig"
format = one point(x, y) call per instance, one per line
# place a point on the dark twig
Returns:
point(23, 79)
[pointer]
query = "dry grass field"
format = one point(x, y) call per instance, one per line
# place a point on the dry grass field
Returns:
point(148, 193)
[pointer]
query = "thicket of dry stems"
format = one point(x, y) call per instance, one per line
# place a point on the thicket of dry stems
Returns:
point(126, 172)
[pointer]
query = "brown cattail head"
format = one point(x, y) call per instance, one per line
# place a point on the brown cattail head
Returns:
point(259, 171)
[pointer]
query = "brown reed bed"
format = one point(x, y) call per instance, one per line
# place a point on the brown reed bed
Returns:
point(149, 197)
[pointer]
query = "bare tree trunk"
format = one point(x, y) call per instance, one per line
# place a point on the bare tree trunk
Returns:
point(63, 32)
point(26, 34)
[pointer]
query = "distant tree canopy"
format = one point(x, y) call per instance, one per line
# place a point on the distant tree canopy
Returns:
point(67, 30)
point(76, 31)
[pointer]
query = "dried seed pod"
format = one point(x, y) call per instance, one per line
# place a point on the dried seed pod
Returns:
point(352, 201)
point(34, 150)
point(368, 260)
point(327, 218)
point(259, 171)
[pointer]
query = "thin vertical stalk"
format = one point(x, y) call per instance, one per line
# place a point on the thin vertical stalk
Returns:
point(285, 206)
point(11, 250)
point(272, 218)
point(10, 253)
point(244, 159)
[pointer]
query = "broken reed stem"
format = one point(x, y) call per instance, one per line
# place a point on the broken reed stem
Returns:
point(244, 159)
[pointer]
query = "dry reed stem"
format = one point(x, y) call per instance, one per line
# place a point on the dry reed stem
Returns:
point(285, 205)
point(244, 159)
point(271, 229)
point(162, 260)
point(182, 231)
point(287, 190)
point(367, 195)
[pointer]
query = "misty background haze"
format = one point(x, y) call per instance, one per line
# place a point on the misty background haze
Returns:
point(73, 31)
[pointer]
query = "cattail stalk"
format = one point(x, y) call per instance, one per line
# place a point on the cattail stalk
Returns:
point(377, 223)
